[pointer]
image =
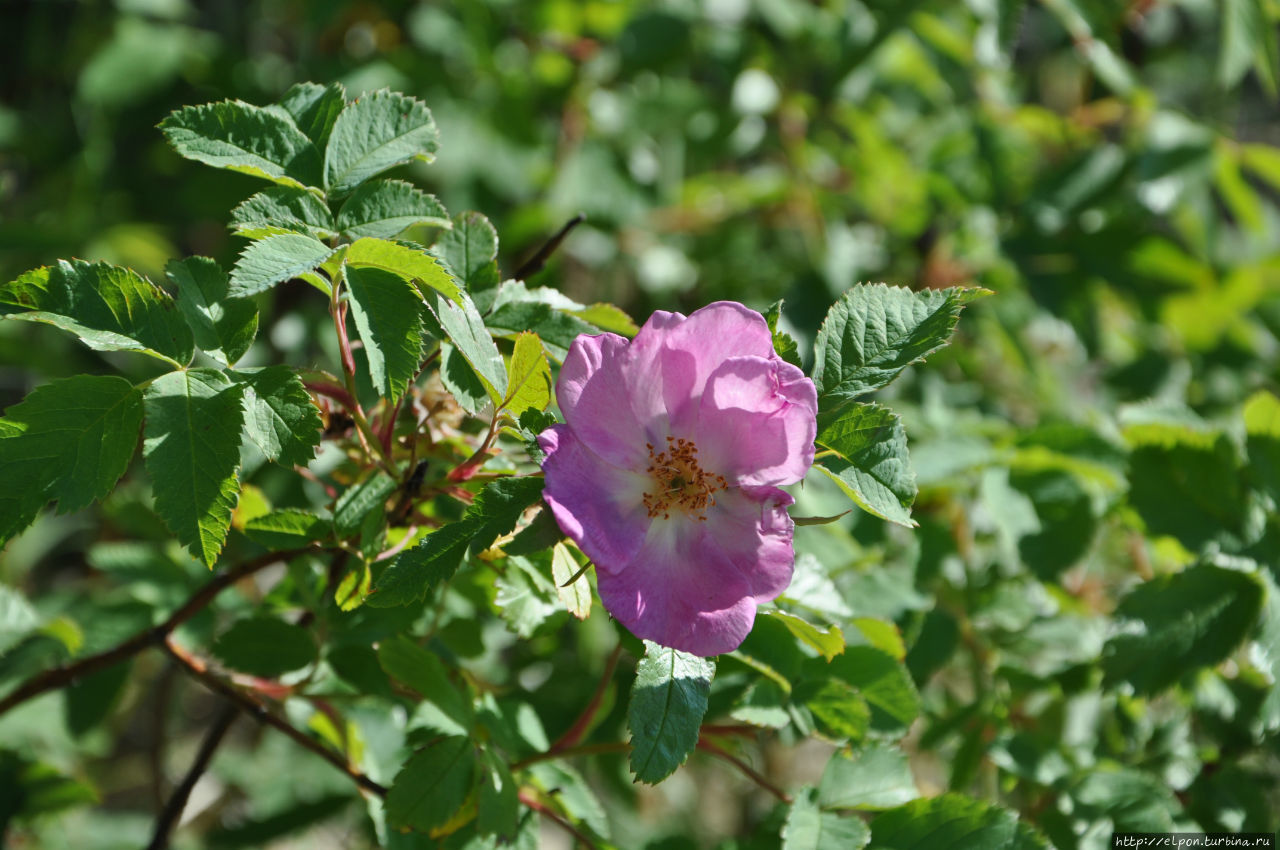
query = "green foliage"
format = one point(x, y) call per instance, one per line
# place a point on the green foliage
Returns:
point(245, 138)
point(223, 327)
point(668, 701)
point(265, 646)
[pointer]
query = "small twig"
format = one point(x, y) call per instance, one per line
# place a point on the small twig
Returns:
point(535, 263)
point(747, 770)
point(537, 805)
point(571, 752)
point(334, 391)
point(465, 470)
point(575, 733)
point(60, 677)
point(259, 712)
point(173, 809)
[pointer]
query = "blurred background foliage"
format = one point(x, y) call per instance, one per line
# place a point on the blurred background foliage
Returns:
point(1106, 167)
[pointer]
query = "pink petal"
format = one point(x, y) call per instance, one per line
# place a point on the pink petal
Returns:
point(757, 421)
point(595, 398)
point(598, 505)
point(750, 525)
point(681, 591)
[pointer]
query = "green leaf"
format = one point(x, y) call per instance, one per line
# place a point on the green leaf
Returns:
point(952, 822)
point(810, 828)
point(417, 571)
point(1189, 620)
point(432, 785)
point(567, 787)
point(668, 701)
point(499, 507)
point(876, 777)
point(839, 711)
point(1248, 40)
point(1190, 488)
point(884, 683)
point(786, 347)
point(471, 250)
point(68, 441)
point(423, 671)
point(1133, 800)
point(92, 699)
point(264, 646)
point(557, 328)
point(223, 327)
point(110, 308)
point(30, 788)
point(1262, 430)
point(279, 415)
point(388, 317)
point(497, 805)
point(287, 528)
point(275, 259)
point(314, 108)
point(359, 501)
point(385, 208)
point(575, 594)
point(524, 596)
point(378, 131)
point(283, 209)
point(870, 464)
point(411, 263)
point(829, 642)
point(192, 451)
point(875, 331)
point(244, 138)
point(529, 377)
point(462, 325)
point(461, 380)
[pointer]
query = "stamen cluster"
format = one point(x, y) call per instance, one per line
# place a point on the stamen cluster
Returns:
point(679, 481)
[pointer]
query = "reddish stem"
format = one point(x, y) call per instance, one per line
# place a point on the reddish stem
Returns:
point(575, 733)
point(747, 770)
point(537, 805)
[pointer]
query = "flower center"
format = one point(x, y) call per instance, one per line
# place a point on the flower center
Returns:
point(679, 482)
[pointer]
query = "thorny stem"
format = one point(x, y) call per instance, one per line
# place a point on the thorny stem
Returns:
point(259, 712)
point(60, 677)
point(534, 803)
point(575, 733)
point(173, 809)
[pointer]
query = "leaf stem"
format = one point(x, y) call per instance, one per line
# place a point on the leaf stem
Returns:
point(747, 770)
point(538, 806)
point(575, 733)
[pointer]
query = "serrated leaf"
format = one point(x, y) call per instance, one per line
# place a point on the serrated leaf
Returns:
point(223, 327)
point(192, 452)
point(499, 506)
point(110, 308)
point(264, 646)
point(785, 346)
point(413, 264)
point(313, 108)
point(245, 138)
point(471, 250)
point(388, 317)
point(1186, 621)
point(829, 641)
point(283, 209)
point(876, 777)
point(461, 380)
point(884, 683)
point(462, 325)
point(423, 672)
point(359, 500)
point(285, 529)
point(668, 700)
point(525, 597)
point(529, 377)
point(416, 572)
point(809, 828)
point(875, 331)
point(280, 416)
point(557, 328)
point(432, 785)
point(576, 594)
point(952, 822)
point(378, 131)
point(68, 441)
point(385, 208)
point(275, 259)
point(871, 464)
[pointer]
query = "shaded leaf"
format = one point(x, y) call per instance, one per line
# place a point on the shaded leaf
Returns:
point(313, 108)
point(378, 131)
point(432, 785)
point(871, 464)
point(876, 777)
point(264, 646)
point(385, 208)
point(952, 822)
point(423, 672)
point(280, 417)
point(388, 318)
point(223, 327)
point(810, 828)
point(283, 209)
point(274, 260)
point(668, 701)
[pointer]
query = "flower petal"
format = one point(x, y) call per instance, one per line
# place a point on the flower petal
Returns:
point(681, 591)
point(751, 527)
point(598, 505)
point(757, 421)
point(595, 398)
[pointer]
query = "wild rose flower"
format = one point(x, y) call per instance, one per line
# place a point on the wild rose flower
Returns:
point(667, 468)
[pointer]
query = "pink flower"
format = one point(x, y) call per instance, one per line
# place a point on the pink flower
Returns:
point(667, 468)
